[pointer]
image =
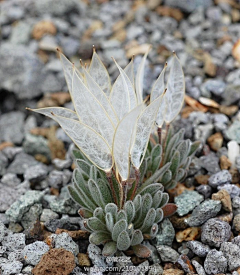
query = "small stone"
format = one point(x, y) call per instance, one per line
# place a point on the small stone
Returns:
point(225, 163)
point(205, 190)
point(42, 28)
point(236, 223)
point(155, 269)
point(14, 241)
point(225, 217)
point(27, 270)
point(21, 162)
point(198, 248)
point(187, 201)
point(232, 189)
point(210, 163)
point(220, 178)
point(185, 263)
point(15, 256)
point(215, 141)
point(63, 240)
point(57, 261)
point(206, 210)
point(76, 234)
point(95, 254)
point(233, 132)
point(215, 232)
point(188, 234)
point(173, 271)
point(225, 199)
point(199, 268)
point(61, 164)
point(30, 217)
point(15, 227)
point(53, 224)
point(21, 206)
point(179, 222)
point(57, 179)
point(36, 173)
point(10, 180)
point(11, 127)
point(83, 259)
point(33, 252)
point(166, 233)
point(167, 253)
point(235, 175)
point(48, 214)
point(232, 253)
point(202, 179)
point(14, 267)
point(215, 262)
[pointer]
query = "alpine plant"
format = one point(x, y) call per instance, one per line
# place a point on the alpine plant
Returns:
point(124, 159)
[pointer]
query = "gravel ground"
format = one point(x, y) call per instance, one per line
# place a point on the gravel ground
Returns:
point(39, 224)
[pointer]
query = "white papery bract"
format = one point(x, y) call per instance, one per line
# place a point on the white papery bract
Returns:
point(111, 125)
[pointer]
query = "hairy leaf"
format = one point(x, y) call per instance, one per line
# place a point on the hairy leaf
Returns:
point(130, 210)
point(137, 237)
point(159, 215)
point(99, 237)
point(96, 225)
point(123, 241)
point(159, 86)
point(119, 227)
point(109, 221)
point(149, 220)
point(109, 249)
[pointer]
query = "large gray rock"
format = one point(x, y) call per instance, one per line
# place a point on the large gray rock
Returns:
point(33, 252)
point(21, 72)
point(188, 5)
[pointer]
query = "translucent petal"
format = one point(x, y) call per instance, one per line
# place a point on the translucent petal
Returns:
point(90, 111)
point(99, 73)
point(122, 142)
point(68, 68)
point(119, 97)
point(159, 86)
point(161, 112)
point(175, 90)
point(123, 86)
point(139, 78)
point(101, 97)
point(59, 111)
point(129, 70)
point(143, 130)
point(88, 141)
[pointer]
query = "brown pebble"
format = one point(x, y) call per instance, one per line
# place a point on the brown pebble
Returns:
point(215, 141)
point(56, 261)
point(189, 234)
point(228, 110)
point(236, 222)
point(83, 259)
point(225, 163)
point(42, 28)
point(225, 199)
point(6, 144)
point(179, 222)
point(178, 190)
point(202, 179)
point(235, 175)
point(226, 217)
point(173, 271)
point(76, 235)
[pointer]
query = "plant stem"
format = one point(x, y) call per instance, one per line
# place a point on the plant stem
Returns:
point(124, 192)
point(159, 130)
point(137, 174)
point(165, 139)
point(109, 178)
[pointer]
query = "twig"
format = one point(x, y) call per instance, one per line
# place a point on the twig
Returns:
point(159, 131)
point(124, 192)
point(137, 174)
point(109, 178)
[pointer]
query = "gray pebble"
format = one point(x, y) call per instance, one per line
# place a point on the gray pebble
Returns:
point(30, 217)
point(36, 173)
point(220, 178)
point(53, 224)
point(210, 163)
point(236, 223)
point(232, 253)
point(95, 254)
point(199, 268)
point(27, 270)
point(63, 240)
point(236, 240)
point(14, 241)
point(167, 253)
point(233, 132)
point(198, 248)
point(187, 201)
point(57, 179)
point(21, 162)
point(11, 152)
point(215, 262)
point(15, 255)
point(12, 268)
point(205, 190)
point(215, 232)
point(166, 233)
point(11, 126)
point(10, 179)
point(215, 86)
point(48, 214)
point(22, 205)
point(232, 189)
point(206, 210)
point(155, 269)
point(33, 252)
point(61, 164)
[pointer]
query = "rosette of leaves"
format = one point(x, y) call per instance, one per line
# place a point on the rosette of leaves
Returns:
point(111, 125)
point(115, 228)
point(169, 162)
